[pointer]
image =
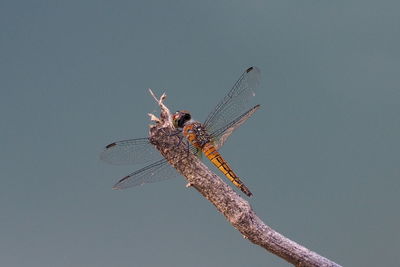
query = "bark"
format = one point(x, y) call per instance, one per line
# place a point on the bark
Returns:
point(236, 210)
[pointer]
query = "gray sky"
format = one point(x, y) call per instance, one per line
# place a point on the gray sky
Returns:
point(321, 156)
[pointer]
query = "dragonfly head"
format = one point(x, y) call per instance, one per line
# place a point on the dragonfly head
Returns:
point(180, 118)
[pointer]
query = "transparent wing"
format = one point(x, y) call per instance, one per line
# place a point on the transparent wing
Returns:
point(158, 171)
point(221, 135)
point(235, 102)
point(133, 151)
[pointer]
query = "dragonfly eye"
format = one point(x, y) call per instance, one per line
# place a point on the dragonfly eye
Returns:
point(180, 118)
point(187, 117)
point(183, 119)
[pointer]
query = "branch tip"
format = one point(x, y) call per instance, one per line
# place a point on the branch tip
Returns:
point(154, 118)
point(165, 116)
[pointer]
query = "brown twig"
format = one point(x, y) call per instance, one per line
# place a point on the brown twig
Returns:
point(235, 209)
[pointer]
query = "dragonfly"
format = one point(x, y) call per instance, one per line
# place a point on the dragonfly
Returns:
point(203, 138)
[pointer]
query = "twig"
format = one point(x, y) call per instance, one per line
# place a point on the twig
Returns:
point(235, 209)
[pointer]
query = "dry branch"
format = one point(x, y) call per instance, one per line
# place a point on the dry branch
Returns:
point(235, 209)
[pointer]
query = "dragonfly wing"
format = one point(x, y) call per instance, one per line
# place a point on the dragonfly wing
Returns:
point(158, 171)
point(221, 135)
point(133, 151)
point(235, 102)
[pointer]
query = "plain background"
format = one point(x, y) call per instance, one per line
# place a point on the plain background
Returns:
point(321, 156)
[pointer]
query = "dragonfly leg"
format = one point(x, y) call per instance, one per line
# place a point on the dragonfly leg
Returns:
point(175, 133)
point(188, 147)
point(180, 140)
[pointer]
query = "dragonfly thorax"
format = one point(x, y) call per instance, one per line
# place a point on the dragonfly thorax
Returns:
point(195, 132)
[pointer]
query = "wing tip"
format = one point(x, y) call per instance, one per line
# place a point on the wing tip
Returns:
point(252, 68)
point(111, 145)
point(254, 75)
point(118, 186)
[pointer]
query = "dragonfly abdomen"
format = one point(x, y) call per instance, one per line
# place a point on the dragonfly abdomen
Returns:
point(215, 157)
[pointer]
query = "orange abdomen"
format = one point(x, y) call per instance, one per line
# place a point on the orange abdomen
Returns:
point(215, 157)
point(200, 140)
